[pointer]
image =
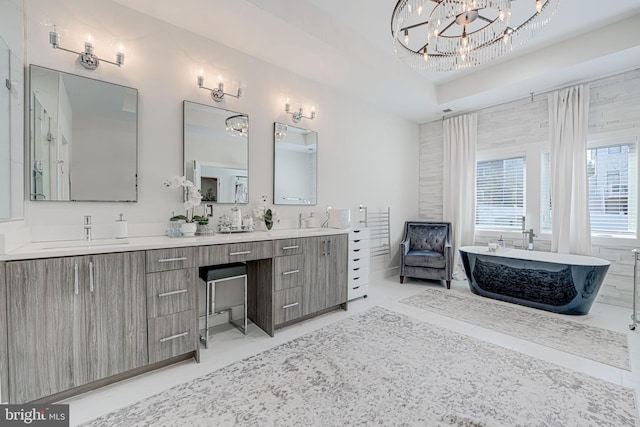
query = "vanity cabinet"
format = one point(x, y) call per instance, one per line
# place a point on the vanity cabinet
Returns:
point(74, 320)
point(325, 283)
point(172, 276)
point(288, 280)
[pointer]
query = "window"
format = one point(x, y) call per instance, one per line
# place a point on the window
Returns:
point(612, 175)
point(500, 193)
point(612, 188)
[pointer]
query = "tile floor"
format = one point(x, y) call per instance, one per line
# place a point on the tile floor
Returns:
point(230, 345)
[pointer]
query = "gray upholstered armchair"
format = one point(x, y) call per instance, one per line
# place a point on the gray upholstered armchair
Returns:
point(426, 252)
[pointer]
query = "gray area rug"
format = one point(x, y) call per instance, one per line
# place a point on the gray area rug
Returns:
point(601, 345)
point(381, 368)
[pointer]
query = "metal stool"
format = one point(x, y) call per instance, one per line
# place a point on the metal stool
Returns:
point(213, 276)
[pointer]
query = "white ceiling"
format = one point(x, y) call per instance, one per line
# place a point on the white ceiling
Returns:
point(346, 44)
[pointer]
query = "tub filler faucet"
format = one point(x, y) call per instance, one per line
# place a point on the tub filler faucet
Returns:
point(531, 236)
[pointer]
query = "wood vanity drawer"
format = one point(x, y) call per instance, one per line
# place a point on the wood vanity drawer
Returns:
point(170, 259)
point(287, 305)
point(170, 292)
point(172, 335)
point(234, 252)
point(288, 272)
point(287, 247)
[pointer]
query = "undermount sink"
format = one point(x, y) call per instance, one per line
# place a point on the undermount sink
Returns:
point(84, 243)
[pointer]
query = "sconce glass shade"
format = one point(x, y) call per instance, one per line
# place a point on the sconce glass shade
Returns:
point(86, 58)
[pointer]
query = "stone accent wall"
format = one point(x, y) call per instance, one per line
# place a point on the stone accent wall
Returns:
point(614, 110)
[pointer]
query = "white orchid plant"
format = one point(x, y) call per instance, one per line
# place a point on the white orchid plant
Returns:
point(268, 215)
point(192, 198)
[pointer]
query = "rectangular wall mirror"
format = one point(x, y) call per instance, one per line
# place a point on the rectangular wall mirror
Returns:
point(83, 138)
point(216, 152)
point(295, 165)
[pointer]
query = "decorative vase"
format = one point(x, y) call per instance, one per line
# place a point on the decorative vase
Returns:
point(189, 228)
point(268, 224)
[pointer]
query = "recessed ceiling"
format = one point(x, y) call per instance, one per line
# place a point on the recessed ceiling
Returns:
point(347, 45)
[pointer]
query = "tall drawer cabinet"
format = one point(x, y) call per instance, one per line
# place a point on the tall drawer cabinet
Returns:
point(358, 264)
point(171, 279)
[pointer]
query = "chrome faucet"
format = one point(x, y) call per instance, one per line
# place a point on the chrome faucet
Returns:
point(87, 227)
point(325, 224)
point(302, 220)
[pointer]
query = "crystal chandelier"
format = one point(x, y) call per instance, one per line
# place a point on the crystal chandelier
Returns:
point(237, 125)
point(446, 35)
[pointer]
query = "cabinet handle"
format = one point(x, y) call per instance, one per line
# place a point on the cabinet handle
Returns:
point(290, 247)
point(355, 287)
point(356, 269)
point(356, 231)
point(91, 276)
point(75, 279)
point(356, 260)
point(356, 278)
point(239, 253)
point(184, 258)
point(173, 337)
point(356, 250)
point(329, 246)
point(290, 305)
point(356, 241)
point(166, 294)
point(286, 273)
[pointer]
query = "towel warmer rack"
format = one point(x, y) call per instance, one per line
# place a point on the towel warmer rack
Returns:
point(379, 224)
point(634, 315)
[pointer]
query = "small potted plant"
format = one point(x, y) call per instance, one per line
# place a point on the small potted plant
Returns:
point(192, 198)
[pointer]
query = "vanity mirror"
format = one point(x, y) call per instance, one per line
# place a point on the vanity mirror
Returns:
point(295, 165)
point(216, 152)
point(83, 138)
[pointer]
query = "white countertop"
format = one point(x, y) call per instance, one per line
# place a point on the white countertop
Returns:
point(99, 246)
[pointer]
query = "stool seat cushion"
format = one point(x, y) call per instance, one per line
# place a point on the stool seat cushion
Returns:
point(217, 272)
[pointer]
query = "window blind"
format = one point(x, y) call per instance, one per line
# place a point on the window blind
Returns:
point(613, 178)
point(500, 193)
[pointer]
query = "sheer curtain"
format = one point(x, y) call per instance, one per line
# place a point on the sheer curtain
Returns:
point(568, 120)
point(459, 186)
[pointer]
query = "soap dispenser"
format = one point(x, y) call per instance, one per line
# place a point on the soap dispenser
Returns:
point(121, 228)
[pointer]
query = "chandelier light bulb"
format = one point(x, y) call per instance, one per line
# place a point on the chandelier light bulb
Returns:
point(420, 10)
point(464, 37)
point(539, 5)
point(501, 15)
point(505, 38)
point(406, 36)
point(425, 55)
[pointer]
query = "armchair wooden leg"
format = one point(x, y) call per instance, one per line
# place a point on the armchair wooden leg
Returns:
point(448, 284)
point(401, 279)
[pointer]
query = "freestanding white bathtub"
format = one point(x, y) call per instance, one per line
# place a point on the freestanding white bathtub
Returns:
point(562, 283)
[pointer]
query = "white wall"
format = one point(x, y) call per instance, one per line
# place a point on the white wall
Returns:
point(364, 155)
point(523, 125)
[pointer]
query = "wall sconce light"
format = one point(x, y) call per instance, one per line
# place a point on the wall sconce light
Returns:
point(219, 93)
point(87, 58)
point(297, 116)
